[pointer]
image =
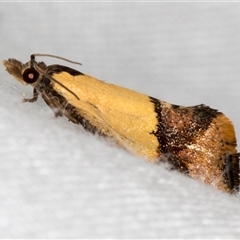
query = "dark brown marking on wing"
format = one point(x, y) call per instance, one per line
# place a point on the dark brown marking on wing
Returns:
point(178, 127)
point(54, 69)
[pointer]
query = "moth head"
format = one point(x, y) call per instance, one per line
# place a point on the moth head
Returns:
point(32, 71)
point(23, 73)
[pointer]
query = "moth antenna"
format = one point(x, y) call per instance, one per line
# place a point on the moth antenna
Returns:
point(35, 66)
point(53, 56)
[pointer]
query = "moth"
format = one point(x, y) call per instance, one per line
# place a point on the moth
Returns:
point(198, 141)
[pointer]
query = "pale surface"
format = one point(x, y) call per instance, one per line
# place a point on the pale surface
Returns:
point(57, 180)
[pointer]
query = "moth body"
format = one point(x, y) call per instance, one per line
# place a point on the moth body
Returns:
point(198, 140)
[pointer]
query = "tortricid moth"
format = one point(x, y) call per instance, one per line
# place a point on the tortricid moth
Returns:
point(198, 141)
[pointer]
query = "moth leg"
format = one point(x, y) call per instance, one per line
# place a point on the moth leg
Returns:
point(53, 104)
point(35, 96)
point(58, 108)
point(67, 112)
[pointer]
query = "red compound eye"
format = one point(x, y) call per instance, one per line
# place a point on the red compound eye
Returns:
point(30, 75)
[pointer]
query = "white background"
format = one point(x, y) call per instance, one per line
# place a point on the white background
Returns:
point(56, 180)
